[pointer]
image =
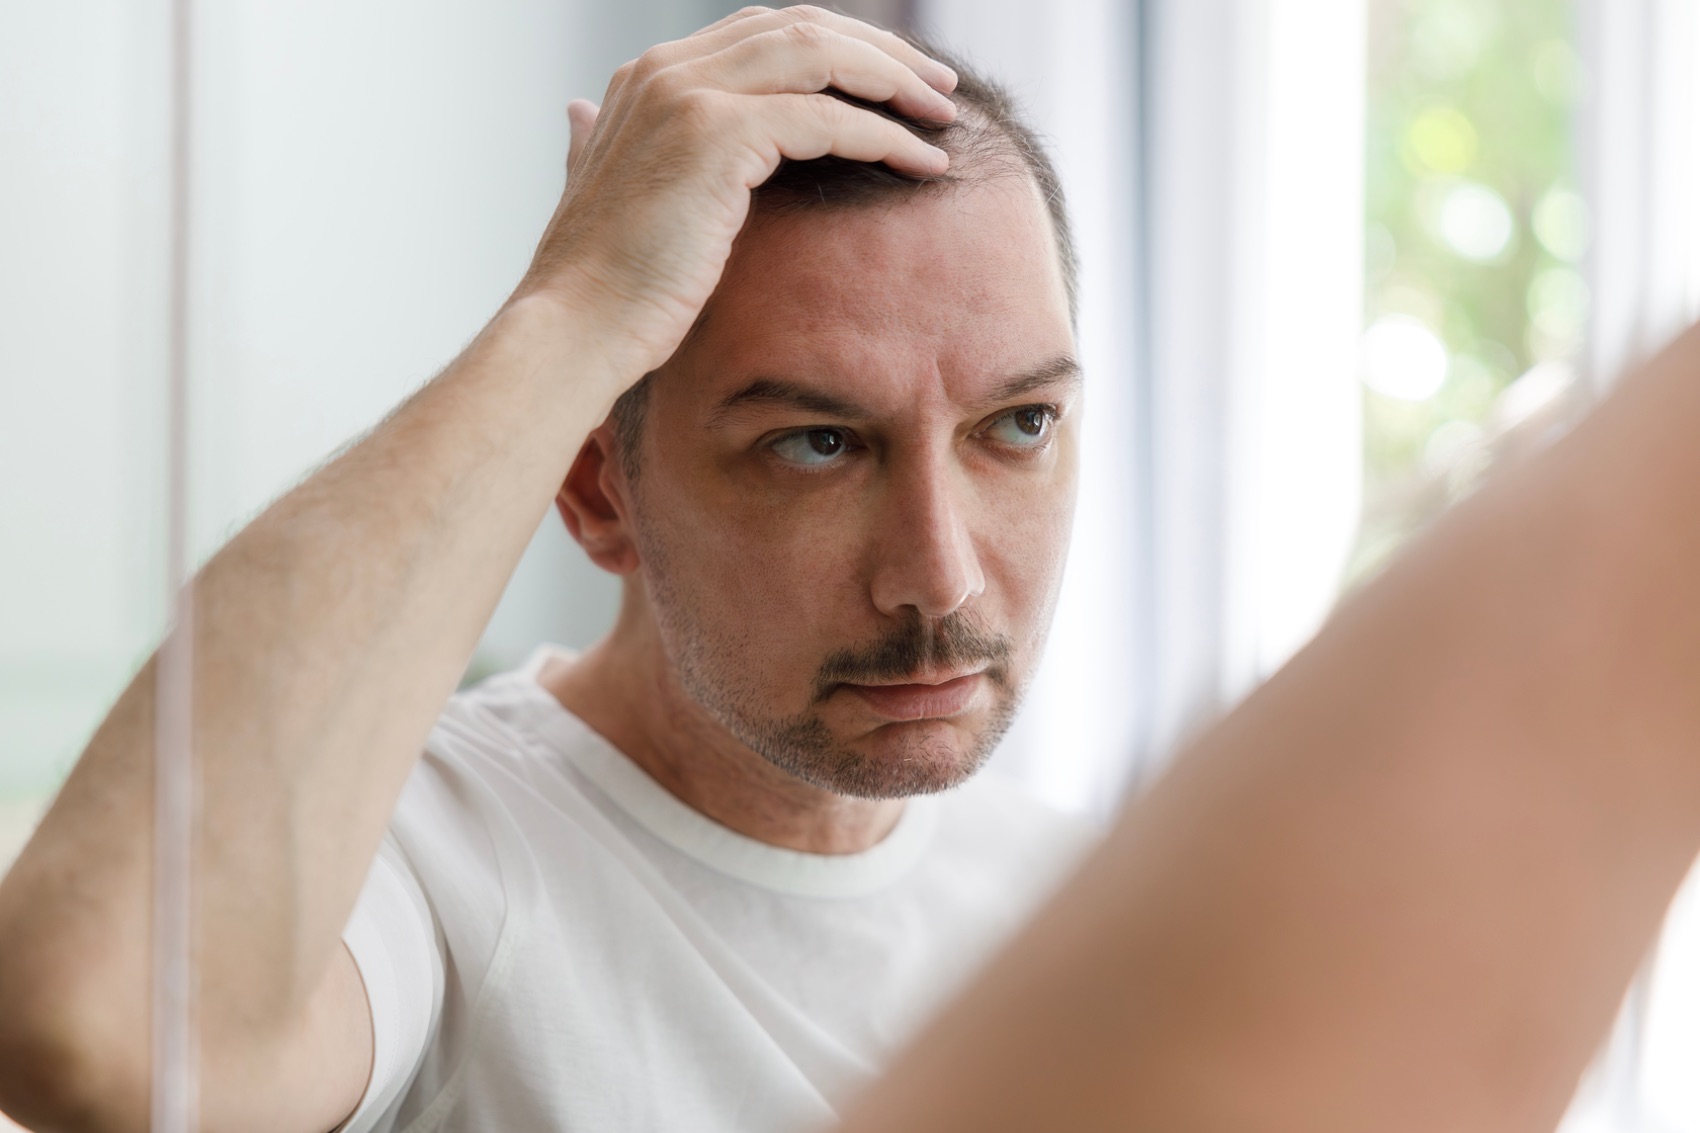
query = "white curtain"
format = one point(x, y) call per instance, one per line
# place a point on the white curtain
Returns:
point(1640, 158)
point(1212, 152)
point(1640, 174)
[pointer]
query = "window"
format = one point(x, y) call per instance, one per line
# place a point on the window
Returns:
point(1476, 303)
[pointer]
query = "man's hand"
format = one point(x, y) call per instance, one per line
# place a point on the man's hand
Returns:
point(659, 179)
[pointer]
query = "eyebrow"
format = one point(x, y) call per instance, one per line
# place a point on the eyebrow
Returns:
point(1061, 370)
point(792, 395)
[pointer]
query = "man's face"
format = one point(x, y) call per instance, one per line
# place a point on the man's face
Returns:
point(857, 482)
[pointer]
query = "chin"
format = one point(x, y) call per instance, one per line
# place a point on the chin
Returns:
point(894, 761)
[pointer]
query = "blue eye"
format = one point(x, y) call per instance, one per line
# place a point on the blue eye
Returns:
point(1024, 428)
point(812, 446)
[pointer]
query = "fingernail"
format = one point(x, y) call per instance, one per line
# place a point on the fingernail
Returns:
point(945, 77)
point(944, 109)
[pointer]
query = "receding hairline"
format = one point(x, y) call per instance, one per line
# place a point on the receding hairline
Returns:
point(885, 202)
point(988, 141)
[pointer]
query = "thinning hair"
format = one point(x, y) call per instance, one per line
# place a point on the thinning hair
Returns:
point(988, 139)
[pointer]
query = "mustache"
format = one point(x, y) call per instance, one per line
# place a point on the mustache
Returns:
point(950, 642)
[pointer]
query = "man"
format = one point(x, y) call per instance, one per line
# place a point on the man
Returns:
point(690, 880)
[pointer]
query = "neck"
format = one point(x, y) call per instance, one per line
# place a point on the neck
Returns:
point(627, 690)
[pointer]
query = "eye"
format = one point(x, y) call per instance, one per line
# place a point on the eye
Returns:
point(1028, 427)
point(812, 446)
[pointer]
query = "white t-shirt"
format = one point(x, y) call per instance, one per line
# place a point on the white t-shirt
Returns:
point(550, 941)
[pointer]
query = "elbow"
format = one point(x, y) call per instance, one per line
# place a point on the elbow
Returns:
point(57, 1076)
point(53, 1087)
point(36, 1089)
point(74, 1052)
point(33, 1086)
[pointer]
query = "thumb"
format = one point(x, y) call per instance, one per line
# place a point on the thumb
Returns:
point(581, 118)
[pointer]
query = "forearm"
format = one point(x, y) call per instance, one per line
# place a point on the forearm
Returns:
point(328, 633)
point(1405, 885)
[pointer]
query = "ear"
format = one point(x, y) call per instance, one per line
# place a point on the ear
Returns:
point(595, 504)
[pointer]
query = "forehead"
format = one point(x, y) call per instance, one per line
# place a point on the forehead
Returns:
point(937, 295)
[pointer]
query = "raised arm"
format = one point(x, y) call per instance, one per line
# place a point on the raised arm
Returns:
point(331, 630)
point(1405, 886)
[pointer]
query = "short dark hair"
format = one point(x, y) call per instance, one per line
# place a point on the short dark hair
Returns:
point(988, 138)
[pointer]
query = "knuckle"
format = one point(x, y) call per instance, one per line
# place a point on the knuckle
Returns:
point(809, 12)
point(824, 112)
point(699, 107)
point(645, 66)
point(666, 83)
point(807, 35)
point(752, 10)
point(835, 108)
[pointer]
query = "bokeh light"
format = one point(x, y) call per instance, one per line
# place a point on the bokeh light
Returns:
point(1441, 140)
point(1558, 313)
point(1561, 222)
point(1475, 222)
point(1556, 70)
point(1449, 37)
point(1404, 359)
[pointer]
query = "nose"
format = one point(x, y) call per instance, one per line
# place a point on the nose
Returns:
point(927, 560)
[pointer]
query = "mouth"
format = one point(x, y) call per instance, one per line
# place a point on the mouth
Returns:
point(927, 697)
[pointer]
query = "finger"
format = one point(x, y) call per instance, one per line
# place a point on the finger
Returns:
point(755, 21)
point(807, 126)
point(735, 17)
point(803, 58)
point(581, 120)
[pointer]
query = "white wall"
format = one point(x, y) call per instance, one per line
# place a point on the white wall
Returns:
point(82, 134)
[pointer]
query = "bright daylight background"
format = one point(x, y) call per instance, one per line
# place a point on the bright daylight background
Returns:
point(1341, 257)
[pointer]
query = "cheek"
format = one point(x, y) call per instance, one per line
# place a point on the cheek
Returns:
point(766, 546)
point(770, 585)
point(1024, 555)
point(1023, 546)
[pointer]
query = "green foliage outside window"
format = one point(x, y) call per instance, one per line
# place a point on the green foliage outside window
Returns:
point(1475, 302)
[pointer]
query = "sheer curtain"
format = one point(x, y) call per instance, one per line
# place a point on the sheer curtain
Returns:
point(1640, 154)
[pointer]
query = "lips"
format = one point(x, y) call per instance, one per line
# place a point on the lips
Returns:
point(921, 701)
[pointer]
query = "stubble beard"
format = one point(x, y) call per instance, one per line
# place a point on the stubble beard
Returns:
point(802, 745)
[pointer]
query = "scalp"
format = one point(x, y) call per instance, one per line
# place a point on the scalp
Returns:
point(989, 140)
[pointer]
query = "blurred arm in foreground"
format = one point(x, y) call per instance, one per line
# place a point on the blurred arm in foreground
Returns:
point(1405, 885)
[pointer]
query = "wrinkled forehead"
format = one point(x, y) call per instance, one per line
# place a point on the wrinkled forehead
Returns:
point(946, 291)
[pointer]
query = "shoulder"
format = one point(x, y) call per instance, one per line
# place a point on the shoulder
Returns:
point(501, 715)
point(504, 730)
point(498, 748)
